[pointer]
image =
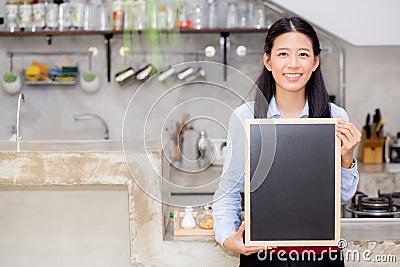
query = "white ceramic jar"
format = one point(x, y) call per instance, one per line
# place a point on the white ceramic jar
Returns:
point(188, 222)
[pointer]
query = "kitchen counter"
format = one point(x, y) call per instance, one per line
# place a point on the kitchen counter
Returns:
point(73, 146)
point(352, 229)
point(379, 168)
point(101, 164)
point(88, 163)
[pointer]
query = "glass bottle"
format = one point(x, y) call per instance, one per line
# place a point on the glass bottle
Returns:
point(198, 17)
point(232, 17)
point(11, 15)
point(247, 19)
point(52, 14)
point(162, 17)
point(25, 15)
point(103, 15)
point(259, 17)
point(118, 15)
point(90, 16)
point(203, 146)
point(64, 15)
point(212, 21)
point(139, 15)
point(204, 217)
point(188, 222)
point(176, 219)
point(78, 13)
point(183, 20)
point(39, 14)
point(128, 14)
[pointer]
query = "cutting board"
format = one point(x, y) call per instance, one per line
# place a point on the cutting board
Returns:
point(196, 231)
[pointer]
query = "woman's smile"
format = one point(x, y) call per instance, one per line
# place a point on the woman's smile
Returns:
point(292, 76)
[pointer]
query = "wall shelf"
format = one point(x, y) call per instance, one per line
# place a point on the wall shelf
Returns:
point(98, 32)
point(108, 35)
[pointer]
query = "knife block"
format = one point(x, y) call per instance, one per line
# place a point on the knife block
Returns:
point(371, 149)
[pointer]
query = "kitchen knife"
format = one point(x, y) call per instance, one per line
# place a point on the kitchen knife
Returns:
point(377, 117)
point(378, 128)
point(367, 127)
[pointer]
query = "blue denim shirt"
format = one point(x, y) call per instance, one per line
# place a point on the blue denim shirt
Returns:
point(226, 206)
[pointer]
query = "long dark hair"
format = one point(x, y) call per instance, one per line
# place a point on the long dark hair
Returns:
point(316, 94)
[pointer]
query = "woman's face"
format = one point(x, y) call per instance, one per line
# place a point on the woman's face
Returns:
point(292, 62)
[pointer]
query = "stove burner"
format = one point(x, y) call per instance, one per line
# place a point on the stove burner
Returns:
point(375, 204)
point(385, 205)
point(395, 198)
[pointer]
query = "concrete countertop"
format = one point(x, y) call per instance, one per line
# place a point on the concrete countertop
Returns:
point(76, 146)
point(354, 229)
point(379, 168)
point(103, 163)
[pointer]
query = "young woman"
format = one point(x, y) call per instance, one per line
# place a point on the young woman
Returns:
point(290, 86)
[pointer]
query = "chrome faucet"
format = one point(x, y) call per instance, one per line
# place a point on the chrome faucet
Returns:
point(90, 116)
point(21, 98)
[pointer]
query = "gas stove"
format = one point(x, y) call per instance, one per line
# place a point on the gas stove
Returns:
point(382, 206)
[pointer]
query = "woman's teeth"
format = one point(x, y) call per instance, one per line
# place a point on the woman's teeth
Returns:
point(292, 75)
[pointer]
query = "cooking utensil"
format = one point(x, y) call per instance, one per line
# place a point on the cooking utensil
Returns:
point(377, 116)
point(199, 73)
point(185, 73)
point(379, 126)
point(127, 74)
point(145, 72)
point(367, 127)
point(165, 74)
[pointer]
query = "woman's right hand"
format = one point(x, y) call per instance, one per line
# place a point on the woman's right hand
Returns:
point(236, 244)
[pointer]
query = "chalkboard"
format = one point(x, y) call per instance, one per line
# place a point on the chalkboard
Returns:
point(292, 182)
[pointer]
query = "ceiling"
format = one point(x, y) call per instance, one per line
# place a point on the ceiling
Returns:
point(359, 22)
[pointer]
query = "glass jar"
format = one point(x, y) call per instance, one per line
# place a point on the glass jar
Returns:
point(118, 15)
point(64, 16)
point(232, 17)
point(52, 15)
point(139, 14)
point(78, 14)
point(212, 14)
point(204, 217)
point(25, 15)
point(39, 13)
point(12, 15)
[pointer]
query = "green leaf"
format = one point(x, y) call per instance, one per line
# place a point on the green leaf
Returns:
point(89, 76)
point(10, 77)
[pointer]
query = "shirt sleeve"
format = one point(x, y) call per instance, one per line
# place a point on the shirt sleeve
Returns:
point(350, 177)
point(226, 204)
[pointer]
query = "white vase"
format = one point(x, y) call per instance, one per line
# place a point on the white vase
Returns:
point(188, 222)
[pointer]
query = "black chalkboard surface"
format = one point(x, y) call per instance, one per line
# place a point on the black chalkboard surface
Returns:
point(292, 182)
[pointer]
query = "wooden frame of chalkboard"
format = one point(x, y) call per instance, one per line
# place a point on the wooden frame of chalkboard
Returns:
point(293, 197)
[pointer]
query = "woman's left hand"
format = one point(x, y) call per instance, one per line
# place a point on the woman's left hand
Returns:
point(350, 137)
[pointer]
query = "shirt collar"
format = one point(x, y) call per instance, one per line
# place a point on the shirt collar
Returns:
point(273, 111)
